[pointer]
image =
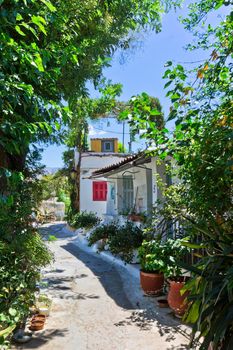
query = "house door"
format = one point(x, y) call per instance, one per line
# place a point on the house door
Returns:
point(127, 193)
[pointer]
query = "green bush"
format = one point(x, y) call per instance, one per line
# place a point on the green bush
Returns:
point(123, 243)
point(22, 254)
point(103, 232)
point(122, 240)
point(83, 219)
point(20, 261)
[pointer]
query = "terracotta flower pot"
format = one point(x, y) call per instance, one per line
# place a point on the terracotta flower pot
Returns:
point(176, 301)
point(38, 317)
point(151, 282)
point(36, 325)
point(163, 303)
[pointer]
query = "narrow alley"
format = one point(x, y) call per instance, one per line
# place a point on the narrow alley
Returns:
point(98, 306)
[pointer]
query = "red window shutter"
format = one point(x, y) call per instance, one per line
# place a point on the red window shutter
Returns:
point(100, 190)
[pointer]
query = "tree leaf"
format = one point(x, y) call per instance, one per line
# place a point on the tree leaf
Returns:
point(18, 30)
point(49, 5)
point(12, 312)
point(39, 21)
point(38, 62)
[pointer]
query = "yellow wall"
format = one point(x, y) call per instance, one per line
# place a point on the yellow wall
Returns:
point(96, 145)
point(116, 146)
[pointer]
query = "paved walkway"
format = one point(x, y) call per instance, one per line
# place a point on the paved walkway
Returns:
point(99, 306)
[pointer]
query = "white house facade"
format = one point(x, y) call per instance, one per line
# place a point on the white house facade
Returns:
point(132, 184)
point(94, 192)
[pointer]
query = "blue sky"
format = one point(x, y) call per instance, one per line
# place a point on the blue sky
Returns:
point(142, 71)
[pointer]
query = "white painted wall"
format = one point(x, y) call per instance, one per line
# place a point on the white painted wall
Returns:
point(140, 190)
point(51, 206)
point(140, 187)
point(91, 161)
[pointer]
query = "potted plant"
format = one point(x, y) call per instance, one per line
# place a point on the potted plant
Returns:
point(175, 252)
point(151, 256)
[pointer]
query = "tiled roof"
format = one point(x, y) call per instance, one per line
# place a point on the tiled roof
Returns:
point(103, 154)
point(117, 165)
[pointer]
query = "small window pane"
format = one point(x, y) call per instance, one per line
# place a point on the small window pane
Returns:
point(107, 146)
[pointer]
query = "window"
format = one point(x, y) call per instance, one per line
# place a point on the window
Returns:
point(100, 190)
point(108, 146)
point(127, 192)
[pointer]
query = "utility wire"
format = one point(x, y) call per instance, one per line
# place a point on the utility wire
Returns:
point(111, 131)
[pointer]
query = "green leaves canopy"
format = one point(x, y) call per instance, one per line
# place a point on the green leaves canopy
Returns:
point(49, 50)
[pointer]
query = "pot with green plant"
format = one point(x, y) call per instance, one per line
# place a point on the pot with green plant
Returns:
point(175, 253)
point(151, 256)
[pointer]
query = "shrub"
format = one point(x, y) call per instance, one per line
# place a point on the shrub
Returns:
point(127, 238)
point(83, 220)
point(20, 261)
point(103, 232)
point(22, 252)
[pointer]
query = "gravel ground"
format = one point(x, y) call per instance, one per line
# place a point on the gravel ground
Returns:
point(97, 305)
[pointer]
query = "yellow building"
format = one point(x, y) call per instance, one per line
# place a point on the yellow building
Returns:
point(104, 145)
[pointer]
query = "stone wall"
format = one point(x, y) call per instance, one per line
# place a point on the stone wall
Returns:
point(50, 206)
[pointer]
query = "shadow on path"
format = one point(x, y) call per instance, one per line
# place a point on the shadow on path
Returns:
point(56, 229)
point(43, 337)
point(105, 272)
point(110, 279)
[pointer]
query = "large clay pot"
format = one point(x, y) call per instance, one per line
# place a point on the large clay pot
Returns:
point(152, 282)
point(176, 301)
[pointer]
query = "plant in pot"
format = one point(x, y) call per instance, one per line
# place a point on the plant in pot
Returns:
point(153, 266)
point(175, 252)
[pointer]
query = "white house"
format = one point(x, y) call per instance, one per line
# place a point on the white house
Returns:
point(132, 184)
point(93, 193)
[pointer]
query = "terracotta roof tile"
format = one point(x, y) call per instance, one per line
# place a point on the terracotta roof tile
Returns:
point(118, 164)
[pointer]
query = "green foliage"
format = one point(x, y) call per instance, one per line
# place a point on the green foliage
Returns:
point(123, 242)
point(201, 145)
point(48, 54)
point(56, 185)
point(121, 148)
point(103, 232)
point(22, 252)
point(162, 256)
point(83, 219)
point(49, 51)
point(144, 115)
